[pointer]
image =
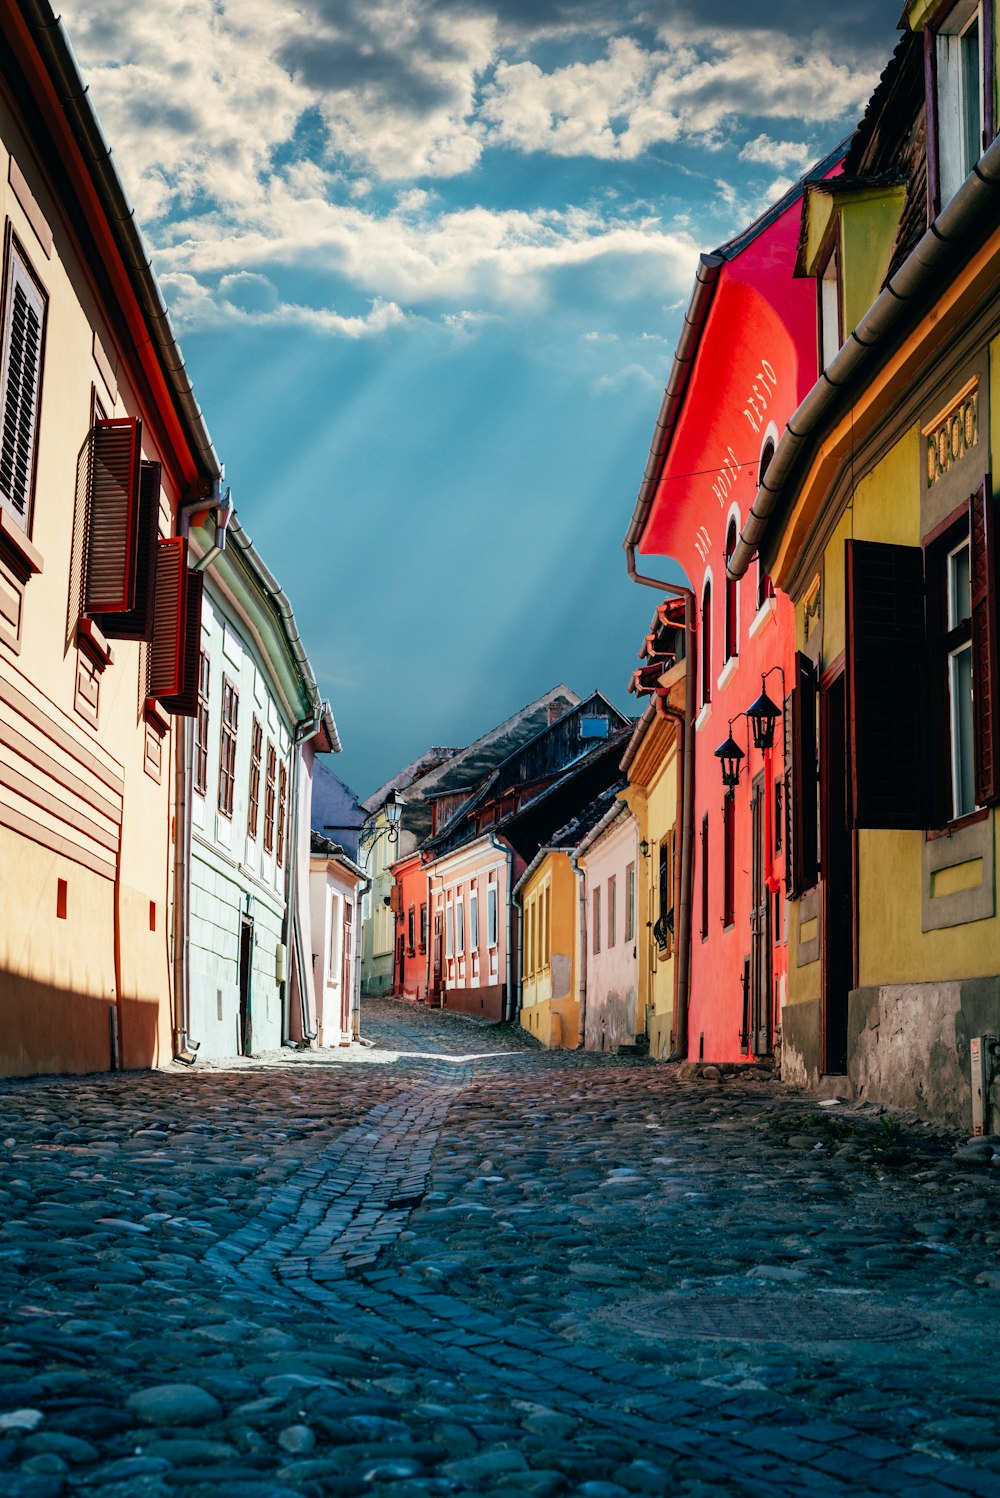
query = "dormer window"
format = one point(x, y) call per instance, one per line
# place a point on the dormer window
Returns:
point(959, 111)
point(830, 331)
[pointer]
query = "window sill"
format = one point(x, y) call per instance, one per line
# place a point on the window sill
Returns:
point(969, 820)
point(92, 642)
point(727, 673)
point(703, 716)
point(158, 720)
point(762, 618)
point(25, 559)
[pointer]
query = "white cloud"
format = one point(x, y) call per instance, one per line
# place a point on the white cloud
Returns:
point(764, 151)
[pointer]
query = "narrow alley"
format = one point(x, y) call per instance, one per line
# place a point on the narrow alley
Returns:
point(447, 1261)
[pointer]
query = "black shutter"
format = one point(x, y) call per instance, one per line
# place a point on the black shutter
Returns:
point(985, 642)
point(803, 806)
point(21, 374)
point(136, 623)
point(185, 701)
point(113, 516)
point(887, 678)
point(166, 652)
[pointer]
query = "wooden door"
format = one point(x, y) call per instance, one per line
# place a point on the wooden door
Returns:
point(245, 1037)
point(838, 936)
point(346, 967)
point(438, 953)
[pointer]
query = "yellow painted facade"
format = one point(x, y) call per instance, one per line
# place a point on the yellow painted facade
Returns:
point(550, 952)
point(652, 796)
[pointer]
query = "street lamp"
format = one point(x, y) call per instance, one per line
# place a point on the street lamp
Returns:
point(764, 713)
point(729, 756)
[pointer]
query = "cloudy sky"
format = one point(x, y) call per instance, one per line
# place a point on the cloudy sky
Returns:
point(428, 260)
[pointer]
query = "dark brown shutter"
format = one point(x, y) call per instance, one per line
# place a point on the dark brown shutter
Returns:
point(887, 679)
point(136, 623)
point(803, 855)
point(185, 701)
point(985, 642)
point(166, 652)
point(113, 516)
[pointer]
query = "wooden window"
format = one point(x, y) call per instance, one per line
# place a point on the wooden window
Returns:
point(886, 683)
point(779, 813)
point(459, 924)
point(423, 927)
point(596, 922)
point(449, 927)
point(270, 785)
point(227, 746)
point(256, 754)
point(765, 587)
point(831, 329)
point(114, 513)
point(732, 598)
point(174, 654)
point(704, 878)
point(24, 310)
point(547, 925)
point(729, 861)
point(803, 800)
point(492, 915)
point(135, 622)
point(201, 725)
point(612, 910)
point(529, 937)
point(411, 922)
point(282, 811)
point(184, 702)
point(984, 541)
point(959, 83)
point(474, 918)
point(630, 902)
point(706, 642)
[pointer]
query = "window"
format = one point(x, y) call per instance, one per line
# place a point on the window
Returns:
point(336, 933)
point(270, 782)
point(529, 938)
point(423, 927)
point(729, 861)
point(227, 746)
point(802, 805)
point(546, 927)
point(779, 813)
point(256, 751)
point(960, 101)
point(732, 598)
point(765, 587)
point(630, 903)
point(24, 307)
point(704, 878)
point(612, 910)
point(201, 725)
point(491, 915)
point(596, 922)
point(449, 939)
point(460, 924)
point(663, 926)
point(958, 647)
point(411, 921)
point(831, 333)
point(282, 799)
point(706, 643)
point(474, 919)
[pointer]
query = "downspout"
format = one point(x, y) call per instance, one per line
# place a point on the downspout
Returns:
point(363, 889)
point(687, 813)
point(186, 1049)
point(581, 1039)
point(509, 854)
point(303, 731)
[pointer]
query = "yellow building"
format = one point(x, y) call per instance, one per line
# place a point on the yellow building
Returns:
point(651, 762)
point(103, 455)
point(549, 895)
point(878, 517)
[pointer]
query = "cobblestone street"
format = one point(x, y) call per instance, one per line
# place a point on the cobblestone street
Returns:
point(449, 1262)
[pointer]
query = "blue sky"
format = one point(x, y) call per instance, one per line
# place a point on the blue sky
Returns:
point(428, 263)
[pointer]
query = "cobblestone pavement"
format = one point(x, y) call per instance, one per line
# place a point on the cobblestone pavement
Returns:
point(451, 1263)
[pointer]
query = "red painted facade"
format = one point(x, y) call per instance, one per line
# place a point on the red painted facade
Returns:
point(409, 975)
point(754, 361)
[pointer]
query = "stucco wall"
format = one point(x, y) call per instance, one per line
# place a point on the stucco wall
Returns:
point(613, 972)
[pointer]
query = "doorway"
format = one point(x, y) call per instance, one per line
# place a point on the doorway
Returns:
point(760, 927)
point(837, 844)
point(245, 1037)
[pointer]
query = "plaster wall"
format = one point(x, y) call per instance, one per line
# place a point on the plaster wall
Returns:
point(550, 1006)
point(613, 972)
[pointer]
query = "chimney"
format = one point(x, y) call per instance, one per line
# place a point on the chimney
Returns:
point(556, 708)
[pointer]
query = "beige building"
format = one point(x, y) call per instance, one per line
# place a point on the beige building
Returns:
point(103, 459)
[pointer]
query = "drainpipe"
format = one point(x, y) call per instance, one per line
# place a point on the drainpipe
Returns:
point(363, 889)
point(509, 854)
point(582, 983)
point(687, 813)
point(303, 731)
point(186, 1049)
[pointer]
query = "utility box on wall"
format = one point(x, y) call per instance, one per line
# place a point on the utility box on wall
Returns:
point(984, 1056)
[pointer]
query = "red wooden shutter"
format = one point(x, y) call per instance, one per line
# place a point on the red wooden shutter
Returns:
point(887, 679)
point(113, 516)
point(803, 856)
point(184, 702)
point(985, 642)
point(166, 653)
point(136, 623)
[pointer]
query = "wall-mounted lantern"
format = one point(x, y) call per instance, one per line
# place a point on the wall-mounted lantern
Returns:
point(764, 713)
point(729, 755)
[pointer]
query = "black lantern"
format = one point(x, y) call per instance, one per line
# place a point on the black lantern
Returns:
point(762, 717)
point(730, 755)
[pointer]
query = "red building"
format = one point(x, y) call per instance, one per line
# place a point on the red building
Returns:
point(746, 358)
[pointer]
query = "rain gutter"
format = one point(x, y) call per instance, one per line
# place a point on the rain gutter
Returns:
point(945, 246)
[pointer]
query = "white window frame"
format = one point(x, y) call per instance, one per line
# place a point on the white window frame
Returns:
point(960, 122)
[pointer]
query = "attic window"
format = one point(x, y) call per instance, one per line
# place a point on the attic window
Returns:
point(960, 122)
point(593, 728)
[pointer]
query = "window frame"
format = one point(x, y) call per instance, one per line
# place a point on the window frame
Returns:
point(828, 275)
point(228, 737)
point(595, 922)
point(612, 919)
point(706, 641)
point(14, 251)
point(253, 789)
point(629, 902)
point(732, 613)
point(270, 790)
point(944, 641)
point(954, 19)
point(704, 877)
point(728, 863)
point(202, 723)
point(282, 812)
